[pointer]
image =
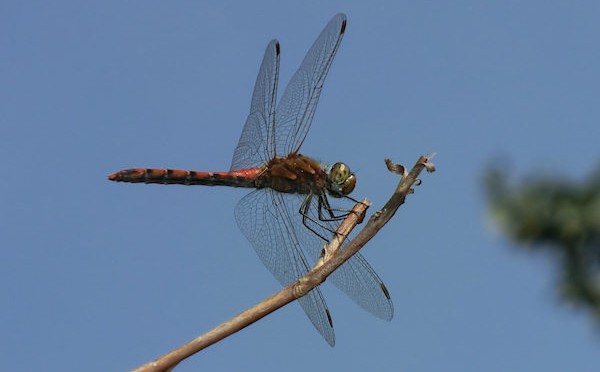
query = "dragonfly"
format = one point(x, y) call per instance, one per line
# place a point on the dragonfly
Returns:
point(289, 216)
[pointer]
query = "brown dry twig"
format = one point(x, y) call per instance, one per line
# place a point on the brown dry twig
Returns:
point(333, 259)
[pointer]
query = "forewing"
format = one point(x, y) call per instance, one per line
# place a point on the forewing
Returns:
point(297, 106)
point(256, 144)
point(268, 219)
point(355, 277)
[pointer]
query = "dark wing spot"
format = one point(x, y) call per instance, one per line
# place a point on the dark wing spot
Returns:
point(385, 291)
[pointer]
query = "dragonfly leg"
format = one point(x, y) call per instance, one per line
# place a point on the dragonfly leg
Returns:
point(325, 213)
point(324, 204)
point(304, 211)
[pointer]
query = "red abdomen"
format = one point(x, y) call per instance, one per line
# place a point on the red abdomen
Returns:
point(239, 178)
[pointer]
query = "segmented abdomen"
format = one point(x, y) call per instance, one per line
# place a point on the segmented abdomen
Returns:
point(240, 178)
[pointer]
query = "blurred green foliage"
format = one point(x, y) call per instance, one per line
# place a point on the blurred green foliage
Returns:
point(554, 215)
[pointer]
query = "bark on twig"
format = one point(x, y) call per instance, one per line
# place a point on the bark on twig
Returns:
point(333, 259)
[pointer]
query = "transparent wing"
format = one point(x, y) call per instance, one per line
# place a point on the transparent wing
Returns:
point(355, 277)
point(297, 106)
point(256, 144)
point(269, 220)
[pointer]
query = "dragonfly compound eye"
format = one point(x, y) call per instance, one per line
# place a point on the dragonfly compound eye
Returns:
point(342, 180)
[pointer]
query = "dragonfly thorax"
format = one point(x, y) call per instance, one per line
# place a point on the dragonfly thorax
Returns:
point(294, 173)
point(300, 174)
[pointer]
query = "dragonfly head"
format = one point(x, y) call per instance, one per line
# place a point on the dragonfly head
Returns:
point(341, 180)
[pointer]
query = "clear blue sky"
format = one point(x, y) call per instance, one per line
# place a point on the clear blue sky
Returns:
point(100, 276)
